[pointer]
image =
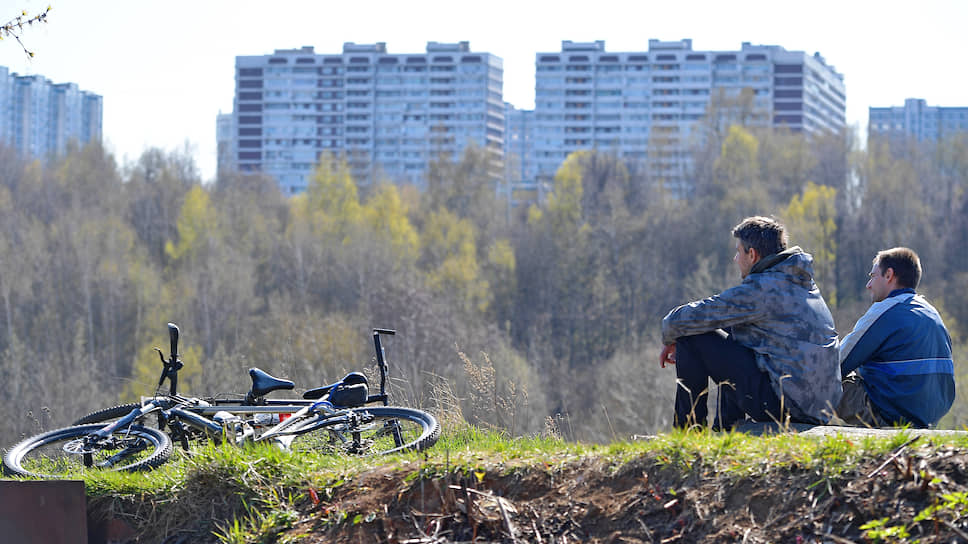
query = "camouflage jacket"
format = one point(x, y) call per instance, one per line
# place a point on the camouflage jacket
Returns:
point(778, 312)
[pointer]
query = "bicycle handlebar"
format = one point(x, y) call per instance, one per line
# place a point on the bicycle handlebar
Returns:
point(381, 361)
point(173, 335)
point(170, 368)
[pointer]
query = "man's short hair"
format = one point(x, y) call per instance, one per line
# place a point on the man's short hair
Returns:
point(764, 234)
point(904, 261)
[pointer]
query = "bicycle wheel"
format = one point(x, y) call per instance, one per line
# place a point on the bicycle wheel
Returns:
point(60, 453)
point(368, 431)
point(108, 414)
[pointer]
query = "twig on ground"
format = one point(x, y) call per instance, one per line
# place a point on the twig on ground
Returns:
point(839, 539)
point(893, 456)
point(954, 528)
point(507, 520)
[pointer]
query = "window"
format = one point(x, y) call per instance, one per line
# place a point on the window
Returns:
point(788, 68)
point(787, 119)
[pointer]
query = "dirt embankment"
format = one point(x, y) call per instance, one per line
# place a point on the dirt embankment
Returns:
point(920, 494)
point(641, 501)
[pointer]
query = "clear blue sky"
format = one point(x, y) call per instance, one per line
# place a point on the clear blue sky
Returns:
point(165, 68)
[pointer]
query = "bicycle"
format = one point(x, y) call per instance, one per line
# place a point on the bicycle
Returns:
point(332, 419)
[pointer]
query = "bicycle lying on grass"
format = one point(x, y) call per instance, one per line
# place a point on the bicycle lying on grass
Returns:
point(329, 419)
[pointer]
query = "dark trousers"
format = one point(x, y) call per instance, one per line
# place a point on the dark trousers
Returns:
point(744, 388)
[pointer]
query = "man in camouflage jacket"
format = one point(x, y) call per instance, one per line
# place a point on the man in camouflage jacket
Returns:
point(769, 341)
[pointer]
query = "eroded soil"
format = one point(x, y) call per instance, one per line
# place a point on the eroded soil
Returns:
point(646, 499)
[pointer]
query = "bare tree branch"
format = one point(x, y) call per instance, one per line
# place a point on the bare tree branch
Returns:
point(15, 27)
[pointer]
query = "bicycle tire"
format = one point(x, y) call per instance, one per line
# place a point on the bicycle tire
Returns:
point(63, 452)
point(107, 414)
point(370, 431)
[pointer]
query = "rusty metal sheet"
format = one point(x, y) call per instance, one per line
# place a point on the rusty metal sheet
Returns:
point(48, 512)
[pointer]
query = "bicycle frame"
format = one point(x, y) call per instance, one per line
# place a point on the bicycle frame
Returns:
point(200, 414)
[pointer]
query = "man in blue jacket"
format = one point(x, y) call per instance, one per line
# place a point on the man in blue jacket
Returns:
point(771, 339)
point(897, 361)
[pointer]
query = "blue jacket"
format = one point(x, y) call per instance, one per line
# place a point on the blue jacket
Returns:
point(905, 361)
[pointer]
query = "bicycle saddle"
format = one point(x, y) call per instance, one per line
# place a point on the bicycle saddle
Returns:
point(354, 381)
point(263, 383)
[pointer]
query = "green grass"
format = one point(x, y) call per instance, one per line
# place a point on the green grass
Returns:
point(259, 489)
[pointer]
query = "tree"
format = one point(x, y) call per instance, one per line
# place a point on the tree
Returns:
point(811, 222)
point(155, 189)
point(449, 255)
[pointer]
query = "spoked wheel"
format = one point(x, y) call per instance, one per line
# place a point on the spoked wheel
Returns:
point(67, 451)
point(369, 431)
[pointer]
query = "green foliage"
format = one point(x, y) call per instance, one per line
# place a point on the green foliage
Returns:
point(196, 223)
point(878, 530)
point(450, 258)
point(331, 204)
point(564, 208)
point(387, 216)
point(811, 219)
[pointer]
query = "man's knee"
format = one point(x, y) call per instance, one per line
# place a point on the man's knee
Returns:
point(699, 346)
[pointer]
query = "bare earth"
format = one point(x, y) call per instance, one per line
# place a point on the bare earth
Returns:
point(645, 499)
point(588, 501)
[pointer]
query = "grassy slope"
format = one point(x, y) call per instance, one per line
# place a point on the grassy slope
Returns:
point(261, 494)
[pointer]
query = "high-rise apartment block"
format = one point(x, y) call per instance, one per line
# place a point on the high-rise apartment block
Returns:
point(387, 114)
point(643, 106)
point(915, 121)
point(522, 184)
point(38, 118)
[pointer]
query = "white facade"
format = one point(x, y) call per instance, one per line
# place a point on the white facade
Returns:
point(643, 106)
point(387, 114)
point(38, 118)
point(916, 121)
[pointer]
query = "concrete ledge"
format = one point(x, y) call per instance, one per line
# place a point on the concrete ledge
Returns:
point(832, 430)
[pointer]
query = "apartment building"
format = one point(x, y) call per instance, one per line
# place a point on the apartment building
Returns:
point(915, 121)
point(38, 118)
point(644, 105)
point(388, 114)
point(522, 185)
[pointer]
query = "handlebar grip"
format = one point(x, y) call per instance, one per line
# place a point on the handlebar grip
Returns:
point(385, 331)
point(173, 336)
